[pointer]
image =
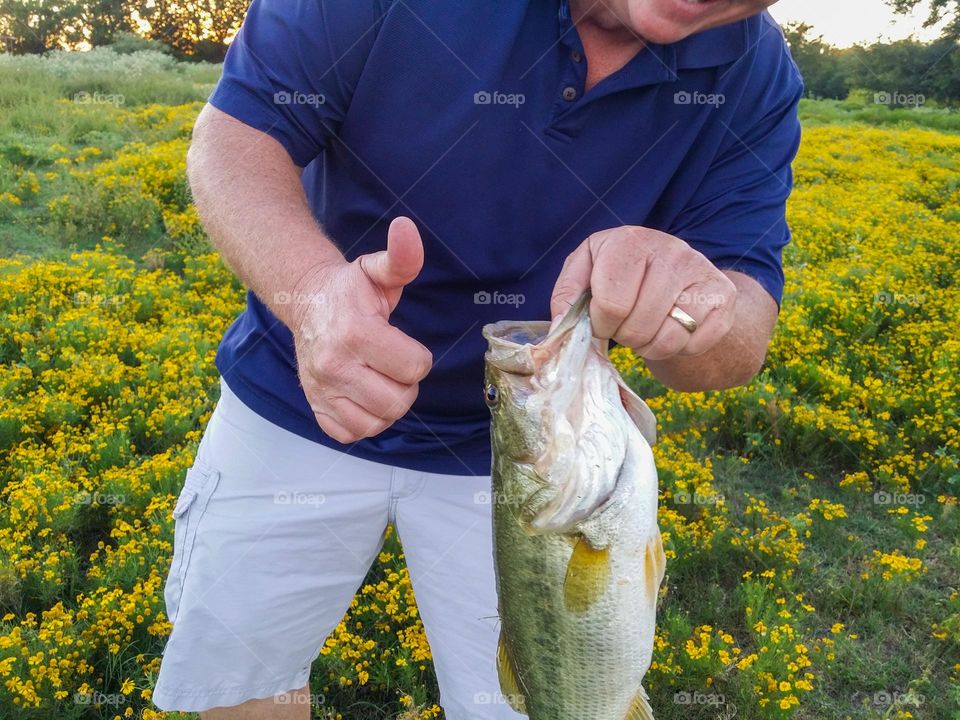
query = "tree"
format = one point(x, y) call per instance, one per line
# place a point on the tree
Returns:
point(199, 28)
point(939, 10)
point(907, 68)
point(820, 63)
point(102, 20)
point(35, 26)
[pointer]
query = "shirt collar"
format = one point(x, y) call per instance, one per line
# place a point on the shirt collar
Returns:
point(710, 48)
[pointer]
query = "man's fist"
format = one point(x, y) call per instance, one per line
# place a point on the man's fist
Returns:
point(637, 276)
point(359, 373)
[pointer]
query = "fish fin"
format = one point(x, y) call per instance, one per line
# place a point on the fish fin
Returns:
point(588, 574)
point(531, 508)
point(509, 683)
point(640, 707)
point(655, 564)
point(638, 411)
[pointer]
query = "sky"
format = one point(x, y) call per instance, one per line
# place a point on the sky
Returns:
point(846, 22)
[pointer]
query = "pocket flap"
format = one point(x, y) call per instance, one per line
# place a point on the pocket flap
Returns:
point(187, 496)
point(196, 478)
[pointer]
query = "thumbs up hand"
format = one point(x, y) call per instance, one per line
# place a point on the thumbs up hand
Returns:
point(359, 373)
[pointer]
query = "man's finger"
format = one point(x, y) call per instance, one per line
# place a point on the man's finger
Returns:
point(670, 339)
point(712, 306)
point(356, 422)
point(400, 263)
point(658, 291)
point(379, 395)
point(393, 353)
point(573, 280)
point(618, 276)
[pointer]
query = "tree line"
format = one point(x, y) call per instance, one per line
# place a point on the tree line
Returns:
point(902, 72)
point(197, 29)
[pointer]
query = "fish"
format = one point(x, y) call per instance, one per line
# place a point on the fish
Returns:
point(578, 554)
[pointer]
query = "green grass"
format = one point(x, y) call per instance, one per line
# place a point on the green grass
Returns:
point(895, 653)
point(75, 101)
point(814, 113)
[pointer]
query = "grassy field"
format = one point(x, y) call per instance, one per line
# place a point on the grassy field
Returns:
point(810, 518)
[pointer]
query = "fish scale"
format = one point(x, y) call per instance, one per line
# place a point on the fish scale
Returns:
point(577, 597)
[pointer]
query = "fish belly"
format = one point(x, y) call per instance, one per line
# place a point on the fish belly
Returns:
point(586, 665)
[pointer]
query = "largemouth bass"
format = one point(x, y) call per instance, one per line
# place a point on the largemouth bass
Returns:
point(578, 553)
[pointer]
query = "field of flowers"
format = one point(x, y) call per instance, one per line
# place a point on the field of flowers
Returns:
point(810, 518)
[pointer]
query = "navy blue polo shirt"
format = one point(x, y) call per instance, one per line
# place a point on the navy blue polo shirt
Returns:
point(471, 118)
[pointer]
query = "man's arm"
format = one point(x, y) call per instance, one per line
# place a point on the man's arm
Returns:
point(248, 194)
point(738, 356)
point(359, 373)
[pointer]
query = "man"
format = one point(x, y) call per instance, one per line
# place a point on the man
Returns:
point(386, 176)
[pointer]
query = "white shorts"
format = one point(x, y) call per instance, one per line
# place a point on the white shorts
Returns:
point(257, 584)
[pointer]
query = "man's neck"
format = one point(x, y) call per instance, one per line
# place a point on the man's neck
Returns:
point(608, 42)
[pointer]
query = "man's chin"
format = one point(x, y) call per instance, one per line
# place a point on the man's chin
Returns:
point(669, 21)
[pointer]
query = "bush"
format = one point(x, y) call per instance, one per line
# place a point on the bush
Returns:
point(125, 43)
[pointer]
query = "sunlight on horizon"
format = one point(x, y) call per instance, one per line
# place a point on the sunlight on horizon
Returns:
point(848, 22)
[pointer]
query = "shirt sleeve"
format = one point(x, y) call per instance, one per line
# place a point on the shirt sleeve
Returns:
point(737, 217)
point(291, 70)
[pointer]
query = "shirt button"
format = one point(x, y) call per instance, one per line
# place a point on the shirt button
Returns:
point(569, 93)
point(576, 56)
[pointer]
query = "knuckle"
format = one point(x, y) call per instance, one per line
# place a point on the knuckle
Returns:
point(333, 429)
point(400, 403)
point(321, 362)
point(635, 336)
point(731, 294)
point(662, 349)
point(422, 365)
point(610, 306)
point(376, 427)
point(349, 334)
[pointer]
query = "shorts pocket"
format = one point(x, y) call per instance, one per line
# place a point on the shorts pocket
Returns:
point(200, 482)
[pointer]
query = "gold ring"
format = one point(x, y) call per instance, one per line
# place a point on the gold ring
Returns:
point(681, 316)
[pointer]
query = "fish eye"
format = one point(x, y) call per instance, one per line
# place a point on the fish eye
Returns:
point(491, 395)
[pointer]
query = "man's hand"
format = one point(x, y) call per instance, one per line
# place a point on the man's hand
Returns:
point(637, 276)
point(359, 373)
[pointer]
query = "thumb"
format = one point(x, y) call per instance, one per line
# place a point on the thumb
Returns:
point(400, 263)
point(574, 279)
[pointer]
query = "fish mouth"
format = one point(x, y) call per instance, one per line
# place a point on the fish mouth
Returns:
point(511, 344)
point(520, 347)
